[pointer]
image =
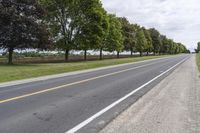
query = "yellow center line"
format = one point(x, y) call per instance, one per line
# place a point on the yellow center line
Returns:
point(70, 84)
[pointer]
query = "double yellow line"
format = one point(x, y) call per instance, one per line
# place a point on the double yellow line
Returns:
point(70, 84)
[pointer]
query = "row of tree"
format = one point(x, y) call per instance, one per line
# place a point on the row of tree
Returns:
point(75, 25)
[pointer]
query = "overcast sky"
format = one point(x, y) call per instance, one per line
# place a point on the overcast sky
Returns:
point(178, 19)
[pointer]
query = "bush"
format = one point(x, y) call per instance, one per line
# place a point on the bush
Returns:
point(36, 54)
point(198, 60)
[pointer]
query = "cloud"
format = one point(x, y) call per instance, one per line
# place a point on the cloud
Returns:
point(178, 19)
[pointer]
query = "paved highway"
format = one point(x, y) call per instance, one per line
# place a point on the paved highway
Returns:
point(81, 102)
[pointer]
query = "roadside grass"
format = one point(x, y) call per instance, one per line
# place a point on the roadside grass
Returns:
point(24, 71)
point(198, 60)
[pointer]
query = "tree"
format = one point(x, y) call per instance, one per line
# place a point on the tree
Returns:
point(198, 47)
point(141, 42)
point(149, 45)
point(92, 25)
point(106, 28)
point(129, 33)
point(165, 44)
point(62, 19)
point(155, 35)
point(171, 46)
point(21, 26)
point(114, 41)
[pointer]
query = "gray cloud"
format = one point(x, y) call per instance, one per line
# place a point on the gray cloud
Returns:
point(178, 19)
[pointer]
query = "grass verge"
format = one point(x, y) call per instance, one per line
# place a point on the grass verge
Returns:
point(198, 60)
point(24, 71)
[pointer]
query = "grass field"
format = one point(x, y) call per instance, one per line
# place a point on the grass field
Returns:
point(198, 60)
point(23, 71)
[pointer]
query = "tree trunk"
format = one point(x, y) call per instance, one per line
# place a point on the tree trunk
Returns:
point(131, 53)
point(10, 56)
point(66, 55)
point(85, 55)
point(140, 54)
point(117, 54)
point(101, 54)
point(147, 53)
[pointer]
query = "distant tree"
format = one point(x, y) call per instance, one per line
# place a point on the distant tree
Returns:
point(21, 26)
point(129, 33)
point(176, 48)
point(156, 40)
point(115, 39)
point(180, 48)
point(165, 44)
point(171, 46)
point(142, 43)
point(135, 29)
point(198, 47)
point(149, 46)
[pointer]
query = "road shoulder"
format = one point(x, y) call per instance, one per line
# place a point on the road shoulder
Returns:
point(171, 106)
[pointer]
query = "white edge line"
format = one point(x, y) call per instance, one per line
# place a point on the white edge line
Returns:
point(90, 119)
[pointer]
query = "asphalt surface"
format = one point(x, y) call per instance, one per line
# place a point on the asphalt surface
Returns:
point(172, 106)
point(58, 105)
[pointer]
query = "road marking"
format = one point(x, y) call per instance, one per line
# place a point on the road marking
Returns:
point(70, 84)
point(90, 119)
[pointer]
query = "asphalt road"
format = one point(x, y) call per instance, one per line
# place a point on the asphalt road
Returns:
point(61, 104)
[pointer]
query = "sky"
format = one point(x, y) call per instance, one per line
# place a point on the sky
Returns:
point(178, 19)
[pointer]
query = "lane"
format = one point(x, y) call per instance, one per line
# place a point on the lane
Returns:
point(61, 110)
point(108, 108)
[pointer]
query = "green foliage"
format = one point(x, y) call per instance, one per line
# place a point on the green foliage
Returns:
point(198, 48)
point(156, 40)
point(165, 44)
point(93, 25)
point(198, 60)
point(129, 33)
point(142, 43)
point(149, 46)
point(76, 25)
point(21, 26)
point(170, 47)
point(80, 24)
point(62, 20)
point(114, 41)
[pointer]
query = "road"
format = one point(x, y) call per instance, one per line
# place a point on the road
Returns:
point(172, 106)
point(83, 102)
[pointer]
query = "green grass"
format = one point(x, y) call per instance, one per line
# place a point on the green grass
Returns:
point(198, 60)
point(24, 71)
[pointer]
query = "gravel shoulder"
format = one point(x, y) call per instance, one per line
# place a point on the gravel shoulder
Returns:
point(173, 106)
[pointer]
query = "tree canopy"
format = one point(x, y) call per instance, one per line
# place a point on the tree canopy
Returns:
point(76, 25)
point(141, 41)
point(114, 41)
point(198, 48)
point(21, 26)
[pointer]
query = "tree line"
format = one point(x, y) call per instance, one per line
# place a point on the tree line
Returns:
point(198, 48)
point(76, 25)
